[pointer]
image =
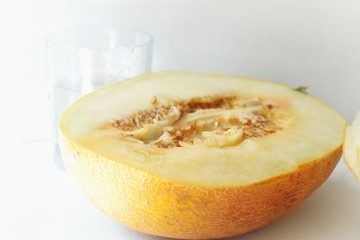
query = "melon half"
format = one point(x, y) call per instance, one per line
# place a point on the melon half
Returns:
point(196, 156)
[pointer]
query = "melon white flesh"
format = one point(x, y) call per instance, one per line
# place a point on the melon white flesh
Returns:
point(352, 147)
point(311, 130)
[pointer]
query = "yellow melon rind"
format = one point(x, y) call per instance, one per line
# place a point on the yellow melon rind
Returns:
point(162, 207)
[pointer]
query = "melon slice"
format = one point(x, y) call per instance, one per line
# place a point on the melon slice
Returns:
point(197, 156)
point(352, 147)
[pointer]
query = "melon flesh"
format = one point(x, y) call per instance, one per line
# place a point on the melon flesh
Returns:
point(214, 182)
point(352, 147)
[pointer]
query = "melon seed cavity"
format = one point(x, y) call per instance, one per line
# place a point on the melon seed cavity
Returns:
point(213, 121)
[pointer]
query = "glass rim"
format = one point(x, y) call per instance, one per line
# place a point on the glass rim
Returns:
point(48, 38)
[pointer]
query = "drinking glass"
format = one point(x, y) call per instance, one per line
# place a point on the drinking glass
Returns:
point(82, 59)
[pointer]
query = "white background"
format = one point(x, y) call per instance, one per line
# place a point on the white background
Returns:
point(308, 42)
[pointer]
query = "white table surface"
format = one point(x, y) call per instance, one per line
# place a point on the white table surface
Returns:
point(39, 201)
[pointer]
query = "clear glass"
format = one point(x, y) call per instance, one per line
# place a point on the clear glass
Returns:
point(80, 60)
